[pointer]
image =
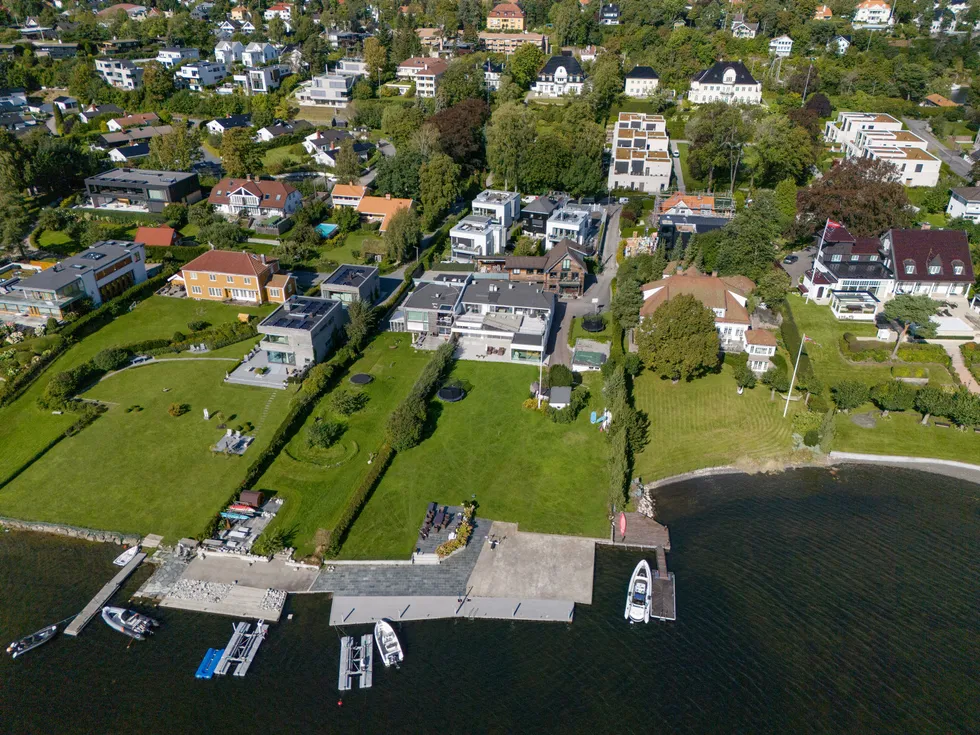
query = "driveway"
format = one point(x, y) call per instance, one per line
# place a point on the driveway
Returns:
point(678, 169)
point(921, 128)
point(797, 269)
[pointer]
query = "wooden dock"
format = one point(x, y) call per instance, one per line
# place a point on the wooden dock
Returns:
point(356, 661)
point(105, 594)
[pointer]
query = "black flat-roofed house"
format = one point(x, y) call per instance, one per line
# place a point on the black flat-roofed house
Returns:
point(676, 229)
point(142, 189)
point(536, 214)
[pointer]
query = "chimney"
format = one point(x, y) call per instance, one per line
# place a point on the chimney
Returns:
point(387, 196)
point(263, 258)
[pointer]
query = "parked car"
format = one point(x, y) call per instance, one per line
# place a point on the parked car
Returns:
point(790, 259)
point(140, 359)
point(676, 153)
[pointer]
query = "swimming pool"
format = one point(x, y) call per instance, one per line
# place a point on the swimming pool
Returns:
point(326, 230)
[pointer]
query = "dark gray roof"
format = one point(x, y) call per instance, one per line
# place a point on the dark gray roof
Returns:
point(505, 293)
point(439, 296)
point(560, 251)
point(300, 312)
point(234, 121)
point(135, 151)
point(572, 67)
point(68, 270)
point(642, 72)
point(715, 74)
point(350, 275)
point(701, 223)
point(541, 205)
point(970, 193)
point(140, 176)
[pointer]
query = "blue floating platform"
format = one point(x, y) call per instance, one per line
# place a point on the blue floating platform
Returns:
point(209, 663)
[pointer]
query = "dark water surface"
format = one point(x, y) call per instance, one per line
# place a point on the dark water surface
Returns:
point(806, 603)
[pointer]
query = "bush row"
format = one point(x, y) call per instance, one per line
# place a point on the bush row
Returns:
point(874, 350)
point(124, 218)
point(407, 421)
point(790, 333)
point(960, 406)
point(357, 500)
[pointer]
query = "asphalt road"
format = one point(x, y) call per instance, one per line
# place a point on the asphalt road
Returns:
point(921, 128)
point(678, 169)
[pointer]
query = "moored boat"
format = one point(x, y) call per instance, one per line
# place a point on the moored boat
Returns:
point(640, 595)
point(129, 622)
point(127, 556)
point(29, 643)
point(389, 646)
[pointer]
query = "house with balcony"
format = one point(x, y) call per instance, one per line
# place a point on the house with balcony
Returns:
point(283, 11)
point(841, 134)
point(781, 46)
point(120, 73)
point(430, 309)
point(226, 275)
point(174, 55)
point(873, 15)
point(839, 44)
point(505, 318)
point(371, 208)
point(259, 54)
point(609, 14)
point(559, 76)
point(476, 236)
point(760, 346)
point(141, 190)
point(562, 271)
point(201, 74)
point(703, 205)
point(98, 273)
point(425, 72)
point(266, 199)
point(229, 52)
point(914, 166)
point(506, 17)
point(641, 81)
point(935, 263)
point(725, 81)
point(332, 89)
point(508, 43)
point(881, 137)
point(535, 215)
point(350, 283)
point(640, 158)
point(741, 28)
point(502, 207)
point(964, 202)
point(568, 224)
point(845, 264)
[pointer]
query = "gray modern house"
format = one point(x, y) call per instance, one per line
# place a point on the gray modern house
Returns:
point(300, 332)
point(132, 189)
point(352, 282)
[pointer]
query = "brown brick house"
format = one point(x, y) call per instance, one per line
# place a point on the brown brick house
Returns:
point(561, 271)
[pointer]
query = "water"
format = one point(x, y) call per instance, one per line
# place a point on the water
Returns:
point(806, 603)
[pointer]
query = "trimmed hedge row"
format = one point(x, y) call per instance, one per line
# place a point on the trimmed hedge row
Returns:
point(792, 339)
point(124, 218)
point(406, 422)
point(358, 499)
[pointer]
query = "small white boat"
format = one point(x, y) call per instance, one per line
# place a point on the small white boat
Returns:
point(129, 622)
point(640, 595)
point(29, 643)
point(127, 556)
point(389, 646)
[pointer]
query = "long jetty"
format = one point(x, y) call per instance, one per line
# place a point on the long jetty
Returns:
point(105, 594)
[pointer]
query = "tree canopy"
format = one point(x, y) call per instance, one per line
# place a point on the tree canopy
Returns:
point(679, 340)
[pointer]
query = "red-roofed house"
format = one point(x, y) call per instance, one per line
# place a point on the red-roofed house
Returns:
point(505, 17)
point(425, 72)
point(931, 262)
point(227, 275)
point(262, 198)
point(157, 236)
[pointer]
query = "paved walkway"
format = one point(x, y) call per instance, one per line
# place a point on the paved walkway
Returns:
point(952, 348)
point(678, 169)
point(951, 158)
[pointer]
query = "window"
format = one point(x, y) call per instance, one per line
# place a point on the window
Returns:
point(275, 293)
point(873, 258)
point(248, 281)
point(230, 279)
point(958, 270)
point(136, 257)
point(215, 292)
point(855, 257)
point(910, 267)
point(934, 269)
point(193, 276)
point(212, 277)
point(195, 289)
point(836, 257)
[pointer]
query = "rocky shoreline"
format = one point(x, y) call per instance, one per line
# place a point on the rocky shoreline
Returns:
point(85, 534)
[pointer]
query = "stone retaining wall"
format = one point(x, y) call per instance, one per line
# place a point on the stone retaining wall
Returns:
point(86, 534)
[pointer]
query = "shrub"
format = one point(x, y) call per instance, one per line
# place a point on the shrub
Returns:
point(406, 423)
point(804, 421)
point(818, 404)
point(632, 364)
point(567, 415)
point(197, 326)
point(560, 376)
point(924, 353)
point(849, 394)
point(178, 337)
point(348, 402)
point(65, 385)
point(111, 359)
point(811, 438)
point(178, 409)
point(324, 434)
point(893, 395)
point(906, 371)
point(744, 377)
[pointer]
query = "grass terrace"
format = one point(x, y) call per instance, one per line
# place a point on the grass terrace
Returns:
point(355, 241)
point(520, 465)
point(690, 183)
point(903, 434)
point(287, 155)
point(145, 471)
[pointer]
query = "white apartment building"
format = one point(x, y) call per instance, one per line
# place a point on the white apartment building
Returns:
point(641, 81)
point(965, 203)
point(229, 52)
point(170, 57)
point(640, 157)
point(120, 73)
point(915, 166)
point(725, 81)
point(781, 46)
point(258, 81)
point(476, 236)
point(873, 14)
point(841, 134)
point(569, 223)
point(502, 207)
point(259, 54)
point(425, 72)
point(202, 74)
point(283, 11)
point(332, 89)
point(879, 136)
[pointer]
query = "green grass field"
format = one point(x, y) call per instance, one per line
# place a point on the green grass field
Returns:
point(317, 484)
point(25, 428)
point(902, 434)
point(355, 241)
point(519, 465)
point(146, 471)
point(819, 324)
point(705, 423)
point(287, 155)
point(578, 333)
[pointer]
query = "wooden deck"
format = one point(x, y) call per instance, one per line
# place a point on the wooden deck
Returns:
point(105, 594)
point(641, 533)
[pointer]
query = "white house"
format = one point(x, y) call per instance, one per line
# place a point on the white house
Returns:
point(725, 81)
point(260, 80)
point(609, 15)
point(502, 207)
point(202, 74)
point(425, 72)
point(873, 14)
point(170, 57)
point(250, 197)
point(935, 263)
point(641, 81)
point(129, 153)
point(491, 75)
point(841, 134)
point(559, 76)
point(476, 236)
point(224, 124)
point(259, 54)
point(781, 46)
point(567, 223)
point(228, 52)
point(120, 73)
point(283, 11)
point(965, 203)
point(840, 44)
point(332, 89)
point(640, 158)
point(742, 29)
point(878, 136)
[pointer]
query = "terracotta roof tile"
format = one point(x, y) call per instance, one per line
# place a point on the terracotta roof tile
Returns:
point(231, 262)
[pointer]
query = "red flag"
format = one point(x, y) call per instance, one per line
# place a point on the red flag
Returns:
point(831, 225)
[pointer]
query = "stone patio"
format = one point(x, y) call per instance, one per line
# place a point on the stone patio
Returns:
point(246, 373)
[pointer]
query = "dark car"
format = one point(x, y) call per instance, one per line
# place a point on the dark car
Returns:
point(790, 259)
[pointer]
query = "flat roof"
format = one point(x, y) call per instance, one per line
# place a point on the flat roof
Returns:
point(300, 312)
point(68, 270)
point(140, 176)
point(508, 293)
point(351, 275)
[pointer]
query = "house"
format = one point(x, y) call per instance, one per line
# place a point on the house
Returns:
point(841, 134)
point(849, 273)
point(508, 43)
point(15, 122)
point(133, 12)
point(743, 29)
point(937, 100)
point(98, 273)
point(567, 223)
point(172, 56)
point(609, 15)
point(279, 129)
point(505, 17)
point(431, 308)
point(261, 80)
point(325, 154)
point(535, 215)
point(381, 209)
point(225, 275)
point(491, 75)
point(136, 120)
point(118, 46)
point(726, 297)
point(127, 153)
point(157, 236)
point(300, 333)
point(823, 13)
point(55, 49)
point(725, 81)
point(351, 283)
point(640, 158)
point(562, 271)
point(228, 28)
point(259, 54)
point(202, 74)
point(229, 52)
point(93, 111)
point(704, 205)
point(13, 99)
point(425, 72)
point(331, 89)
point(283, 11)
point(878, 136)
point(641, 81)
point(141, 190)
point(935, 263)
point(840, 43)
point(502, 207)
point(677, 229)
point(255, 198)
point(915, 166)
point(223, 125)
point(120, 73)
point(559, 76)
point(965, 202)
point(202, 11)
point(347, 195)
point(873, 14)
point(132, 136)
point(781, 46)
point(476, 236)
point(65, 104)
point(240, 13)
point(760, 346)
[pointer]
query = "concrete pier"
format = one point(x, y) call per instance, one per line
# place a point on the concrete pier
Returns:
point(361, 610)
point(105, 594)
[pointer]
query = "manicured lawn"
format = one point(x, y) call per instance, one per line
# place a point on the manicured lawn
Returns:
point(146, 471)
point(287, 155)
point(317, 483)
point(355, 241)
point(902, 434)
point(819, 324)
point(25, 428)
point(519, 465)
point(705, 423)
point(55, 240)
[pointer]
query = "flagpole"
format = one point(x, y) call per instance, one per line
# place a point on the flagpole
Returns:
point(796, 367)
point(819, 252)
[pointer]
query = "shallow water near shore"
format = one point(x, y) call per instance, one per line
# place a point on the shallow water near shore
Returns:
point(807, 602)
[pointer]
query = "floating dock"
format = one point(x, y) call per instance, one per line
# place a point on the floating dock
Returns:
point(105, 594)
point(356, 661)
point(209, 663)
point(241, 649)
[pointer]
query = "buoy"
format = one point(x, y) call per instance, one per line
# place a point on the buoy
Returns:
point(340, 703)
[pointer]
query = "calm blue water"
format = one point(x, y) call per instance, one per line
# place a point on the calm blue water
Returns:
point(806, 603)
point(326, 230)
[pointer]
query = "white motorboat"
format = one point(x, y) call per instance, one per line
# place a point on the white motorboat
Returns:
point(640, 594)
point(29, 643)
point(127, 556)
point(389, 646)
point(129, 622)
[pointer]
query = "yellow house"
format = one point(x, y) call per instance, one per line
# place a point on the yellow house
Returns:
point(505, 17)
point(225, 275)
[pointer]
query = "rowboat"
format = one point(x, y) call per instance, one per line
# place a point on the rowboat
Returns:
point(127, 556)
point(640, 595)
point(29, 643)
point(389, 646)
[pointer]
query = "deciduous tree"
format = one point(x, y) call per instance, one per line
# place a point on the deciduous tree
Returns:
point(348, 163)
point(912, 312)
point(438, 188)
point(524, 65)
point(679, 340)
point(509, 135)
point(176, 151)
point(239, 153)
point(403, 235)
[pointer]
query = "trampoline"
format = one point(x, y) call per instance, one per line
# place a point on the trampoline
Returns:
point(361, 379)
point(593, 323)
point(451, 393)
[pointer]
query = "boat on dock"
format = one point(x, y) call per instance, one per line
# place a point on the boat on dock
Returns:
point(389, 646)
point(29, 643)
point(640, 594)
point(209, 663)
point(127, 556)
point(129, 622)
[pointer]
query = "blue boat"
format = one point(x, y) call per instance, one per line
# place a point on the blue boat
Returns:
point(234, 516)
point(209, 663)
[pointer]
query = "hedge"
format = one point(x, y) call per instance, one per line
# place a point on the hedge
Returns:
point(792, 339)
point(124, 218)
point(358, 499)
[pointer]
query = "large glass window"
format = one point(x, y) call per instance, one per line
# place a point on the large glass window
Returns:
point(281, 358)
